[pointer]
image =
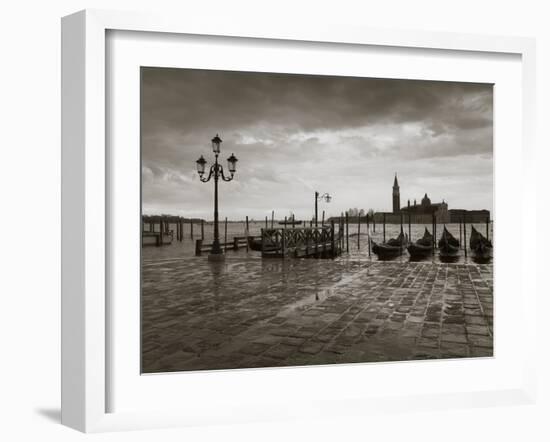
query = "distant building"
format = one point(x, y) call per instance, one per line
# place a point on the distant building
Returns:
point(422, 213)
point(425, 212)
point(469, 216)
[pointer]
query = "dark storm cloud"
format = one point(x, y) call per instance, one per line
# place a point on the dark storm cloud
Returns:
point(192, 99)
point(296, 133)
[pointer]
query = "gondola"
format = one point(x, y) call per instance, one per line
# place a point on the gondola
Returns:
point(482, 248)
point(422, 248)
point(449, 247)
point(392, 248)
point(255, 244)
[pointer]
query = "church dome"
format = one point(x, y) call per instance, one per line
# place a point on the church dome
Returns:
point(426, 201)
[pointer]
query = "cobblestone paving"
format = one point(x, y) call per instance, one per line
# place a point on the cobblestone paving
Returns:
point(268, 313)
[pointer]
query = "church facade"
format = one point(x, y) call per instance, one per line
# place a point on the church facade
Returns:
point(425, 211)
point(422, 213)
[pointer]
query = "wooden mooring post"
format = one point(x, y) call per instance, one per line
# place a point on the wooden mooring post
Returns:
point(465, 241)
point(368, 242)
point(384, 228)
point(368, 234)
point(358, 232)
point(316, 243)
point(332, 241)
point(401, 231)
point(202, 229)
point(198, 247)
point(460, 243)
point(272, 217)
point(433, 232)
point(410, 239)
point(266, 221)
point(247, 233)
point(283, 237)
point(347, 232)
point(340, 230)
point(324, 253)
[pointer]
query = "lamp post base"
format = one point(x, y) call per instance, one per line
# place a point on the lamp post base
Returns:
point(216, 257)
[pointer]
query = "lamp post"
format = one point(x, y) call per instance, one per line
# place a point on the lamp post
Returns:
point(216, 171)
point(318, 198)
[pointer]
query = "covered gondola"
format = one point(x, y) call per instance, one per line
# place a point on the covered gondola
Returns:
point(422, 248)
point(255, 244)
point(481, 247)
point(392, 248)
point(449, 246)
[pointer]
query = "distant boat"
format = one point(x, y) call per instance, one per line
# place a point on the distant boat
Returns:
point(255, 244)
point(290, 222)
point(449, 247)
point(423, 247)
point(392, 248)
point(482, 248)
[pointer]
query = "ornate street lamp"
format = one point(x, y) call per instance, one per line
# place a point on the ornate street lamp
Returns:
point(325, 197)
point(216, 171)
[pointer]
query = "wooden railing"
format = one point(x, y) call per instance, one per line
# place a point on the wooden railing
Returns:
point(321, 242)
point(236, 243)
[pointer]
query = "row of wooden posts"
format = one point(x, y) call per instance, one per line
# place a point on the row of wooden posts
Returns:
point(164, 224)
point(238, 242)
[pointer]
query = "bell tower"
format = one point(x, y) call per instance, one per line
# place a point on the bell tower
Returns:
point(395, 196)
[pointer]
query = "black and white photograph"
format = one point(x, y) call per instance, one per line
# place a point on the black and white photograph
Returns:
point(243, 221)
point(297, 220)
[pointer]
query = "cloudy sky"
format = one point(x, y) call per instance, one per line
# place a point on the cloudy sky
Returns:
point(295, 134)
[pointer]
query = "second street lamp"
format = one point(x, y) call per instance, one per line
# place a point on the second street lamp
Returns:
point(216, 172)
point(325, 197)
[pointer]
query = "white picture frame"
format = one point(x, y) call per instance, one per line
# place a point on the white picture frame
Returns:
point(86, 204)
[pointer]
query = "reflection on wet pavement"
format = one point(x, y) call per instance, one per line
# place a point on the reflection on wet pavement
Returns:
point(249, 312)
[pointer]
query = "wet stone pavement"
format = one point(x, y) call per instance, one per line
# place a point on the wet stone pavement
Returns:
point(268, 313)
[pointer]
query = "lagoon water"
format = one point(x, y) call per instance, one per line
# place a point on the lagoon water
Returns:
point(358, 245)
